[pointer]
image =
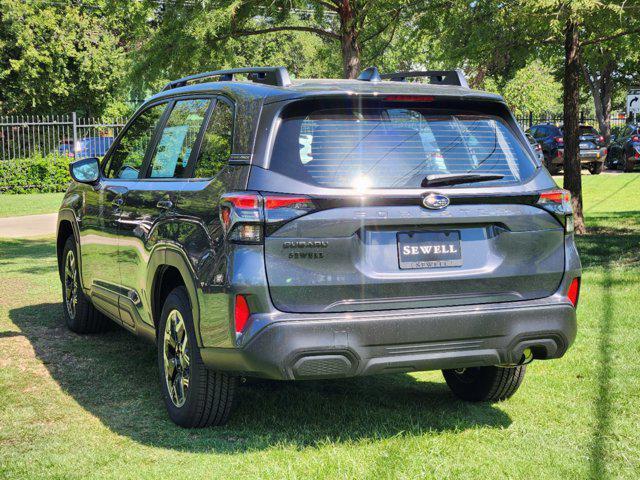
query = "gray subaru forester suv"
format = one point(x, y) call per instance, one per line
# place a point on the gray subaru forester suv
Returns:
point(309, 229)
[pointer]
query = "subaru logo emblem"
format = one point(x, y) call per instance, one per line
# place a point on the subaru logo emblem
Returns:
point(435, 201)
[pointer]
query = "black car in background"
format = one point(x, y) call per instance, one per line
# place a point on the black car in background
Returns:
point(624, 149)
point(536, 147)
point(551, 138)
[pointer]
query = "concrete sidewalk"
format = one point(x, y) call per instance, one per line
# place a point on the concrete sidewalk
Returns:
point(28, 226)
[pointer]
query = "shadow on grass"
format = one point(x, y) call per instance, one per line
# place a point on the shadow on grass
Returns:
point(612, 239)
point(603, 402)
point(113, 376)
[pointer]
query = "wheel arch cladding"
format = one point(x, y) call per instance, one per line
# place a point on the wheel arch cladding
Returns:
point(171, 272)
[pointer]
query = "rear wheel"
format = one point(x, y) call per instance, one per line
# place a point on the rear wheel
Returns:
point(628, 164)
point(485, 384)
point(80, 315)
point(194, 396)
point(596, 168)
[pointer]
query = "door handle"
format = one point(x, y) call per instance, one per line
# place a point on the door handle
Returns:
point(164, 204)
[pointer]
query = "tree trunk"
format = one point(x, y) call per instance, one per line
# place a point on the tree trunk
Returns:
point(571, 98)
point(349, 41)
point(601, 87)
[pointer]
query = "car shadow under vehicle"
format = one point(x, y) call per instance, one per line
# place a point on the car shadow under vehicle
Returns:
point(114, 377)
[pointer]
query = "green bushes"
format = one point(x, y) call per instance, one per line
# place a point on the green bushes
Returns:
point(35, 174)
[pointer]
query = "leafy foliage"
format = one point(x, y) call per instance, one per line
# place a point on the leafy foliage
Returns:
point(35, 174)
point(62, 56)
point(533, 89)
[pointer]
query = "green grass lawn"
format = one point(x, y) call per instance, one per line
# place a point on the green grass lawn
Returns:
point(29, 204)
point(89, 406)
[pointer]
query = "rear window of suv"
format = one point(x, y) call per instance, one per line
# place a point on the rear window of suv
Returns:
point(395, 147)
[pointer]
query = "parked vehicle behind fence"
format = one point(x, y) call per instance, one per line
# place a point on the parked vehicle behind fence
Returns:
point(85, 147)
point(624, 149)
point(592, 149)
point(537, 148)
point(309, 229)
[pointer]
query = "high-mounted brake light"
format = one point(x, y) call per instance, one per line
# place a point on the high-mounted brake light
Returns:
point(558, 202)
point(574, 291)
point(241, 313)
point(409, 98)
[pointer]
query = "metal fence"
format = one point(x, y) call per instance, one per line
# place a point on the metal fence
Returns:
point(23, 136)
point(71, 135)
point(526, 121)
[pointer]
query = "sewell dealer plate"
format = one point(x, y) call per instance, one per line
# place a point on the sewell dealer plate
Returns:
point(429, 249)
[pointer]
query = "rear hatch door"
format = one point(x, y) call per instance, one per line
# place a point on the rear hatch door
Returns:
point(374, 242)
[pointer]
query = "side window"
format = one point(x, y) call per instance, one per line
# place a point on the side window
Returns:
point(128, 156)
point(216, 142)
point(178, 137)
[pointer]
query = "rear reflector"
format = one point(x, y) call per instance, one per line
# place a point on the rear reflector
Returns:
point(241, 313)
point(574, 291)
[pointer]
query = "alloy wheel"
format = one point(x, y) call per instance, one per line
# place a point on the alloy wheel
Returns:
point(176, 358)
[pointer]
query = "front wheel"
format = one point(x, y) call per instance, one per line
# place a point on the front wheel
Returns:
point(194, 396)
point(485, 384)
point(79, 313)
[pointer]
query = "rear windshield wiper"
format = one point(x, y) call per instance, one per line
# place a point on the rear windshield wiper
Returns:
point(457, 178)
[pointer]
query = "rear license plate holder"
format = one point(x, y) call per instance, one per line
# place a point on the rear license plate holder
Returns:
point(429, 249)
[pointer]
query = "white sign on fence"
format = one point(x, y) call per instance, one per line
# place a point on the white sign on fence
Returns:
point(633, 102)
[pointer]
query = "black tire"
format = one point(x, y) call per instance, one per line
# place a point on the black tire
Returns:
point(79, 313)
point(596, 168)
point(209, 395)
point(628, 165)
point(485, 384)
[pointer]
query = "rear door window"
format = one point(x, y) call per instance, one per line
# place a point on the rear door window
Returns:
point(173, 150)
point(216, 142)
point(395, 147)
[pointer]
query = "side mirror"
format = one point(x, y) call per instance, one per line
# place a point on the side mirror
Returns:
point(86, 170)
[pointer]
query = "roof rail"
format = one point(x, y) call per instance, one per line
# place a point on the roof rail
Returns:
point(436, 77)
point(278, 76)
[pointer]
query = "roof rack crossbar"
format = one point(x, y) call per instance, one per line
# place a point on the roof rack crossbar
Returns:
point(436, 77)
point(278, 76)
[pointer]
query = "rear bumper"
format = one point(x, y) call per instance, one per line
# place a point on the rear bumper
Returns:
point(305, 346)
point(585, 156)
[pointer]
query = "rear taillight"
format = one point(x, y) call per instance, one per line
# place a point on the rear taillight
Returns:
point(537, 147)
point(240, 217)
point(280, 209)
point(574, 291)
point(241, 313)
point(559, 139)
point(560, 153)
point(244, 216)
point(600, 139)
point(558, 202)
point(635, 138)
